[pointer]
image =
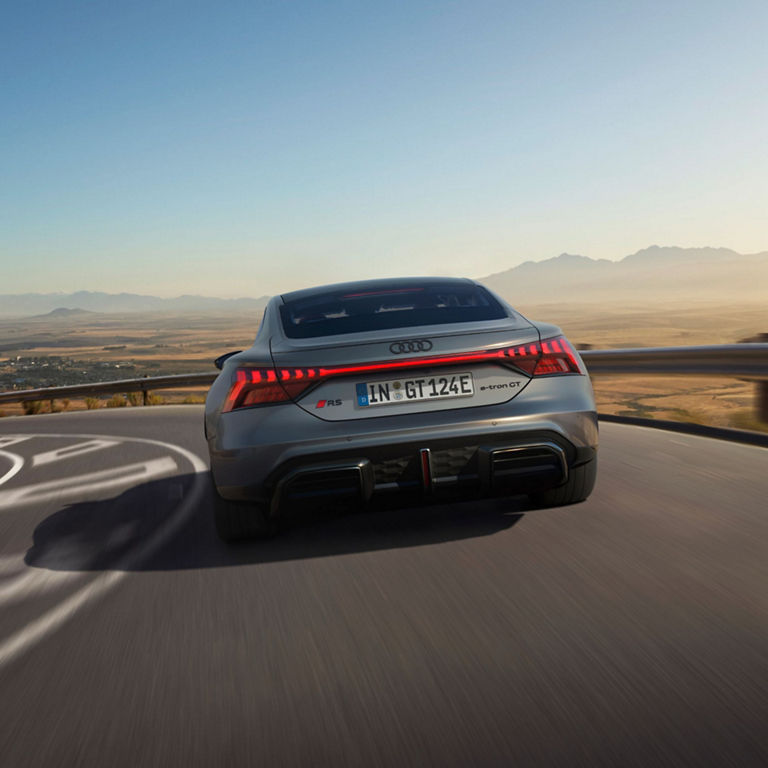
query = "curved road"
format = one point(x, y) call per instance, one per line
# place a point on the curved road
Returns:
point(628, 630)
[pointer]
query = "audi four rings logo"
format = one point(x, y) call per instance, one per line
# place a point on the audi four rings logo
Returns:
point(401, 347)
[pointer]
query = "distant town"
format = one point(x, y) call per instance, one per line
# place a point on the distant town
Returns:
point(17, 373)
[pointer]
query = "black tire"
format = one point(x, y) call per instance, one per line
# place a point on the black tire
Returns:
point(239, 520)
point(580, 482)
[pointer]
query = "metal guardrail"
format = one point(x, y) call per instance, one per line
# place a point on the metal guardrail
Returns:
point(741, 360)
point(748, 360)
point(121, 386)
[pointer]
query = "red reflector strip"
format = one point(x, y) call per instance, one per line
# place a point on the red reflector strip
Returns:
point(426, 469)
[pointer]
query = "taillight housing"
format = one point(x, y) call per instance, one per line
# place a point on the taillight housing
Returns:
point(557, 358)
point(268, 386)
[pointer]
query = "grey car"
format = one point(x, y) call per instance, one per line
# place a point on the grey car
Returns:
point(399, 390)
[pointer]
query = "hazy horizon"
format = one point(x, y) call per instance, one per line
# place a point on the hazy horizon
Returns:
point(296, 284)
point(657, 275)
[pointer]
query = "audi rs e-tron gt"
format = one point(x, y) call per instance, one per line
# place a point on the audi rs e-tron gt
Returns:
point(411, 388)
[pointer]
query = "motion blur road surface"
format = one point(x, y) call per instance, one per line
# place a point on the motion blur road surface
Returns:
point(628, 630)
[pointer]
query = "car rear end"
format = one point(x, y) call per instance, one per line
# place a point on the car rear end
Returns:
point(405, 389)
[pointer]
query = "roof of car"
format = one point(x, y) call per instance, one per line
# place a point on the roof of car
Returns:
point(382, 284)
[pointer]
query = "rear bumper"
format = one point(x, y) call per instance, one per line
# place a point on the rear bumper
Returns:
point(445, 471)
point(283, 454)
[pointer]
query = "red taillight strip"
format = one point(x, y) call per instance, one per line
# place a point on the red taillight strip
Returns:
point(263, 385)
point(382, 293)
point(414, 362)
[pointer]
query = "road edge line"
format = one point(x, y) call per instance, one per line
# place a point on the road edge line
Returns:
point(700, 430)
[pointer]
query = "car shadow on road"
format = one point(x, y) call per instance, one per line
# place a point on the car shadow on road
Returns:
point(156, 527)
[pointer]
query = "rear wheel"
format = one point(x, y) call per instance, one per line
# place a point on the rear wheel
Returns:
point(581, 481)
point(238, 520)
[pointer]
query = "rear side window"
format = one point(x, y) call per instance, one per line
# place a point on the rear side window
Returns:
point(334, 313)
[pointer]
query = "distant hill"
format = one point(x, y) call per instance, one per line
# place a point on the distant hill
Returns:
point(652, 275)
point(31, 304)
point(64, 312)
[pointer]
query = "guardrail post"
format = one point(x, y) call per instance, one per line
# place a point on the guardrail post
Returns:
point(145, 394)
point(762, 401)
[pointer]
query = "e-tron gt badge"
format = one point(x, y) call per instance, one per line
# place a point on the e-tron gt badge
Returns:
point(417, 345)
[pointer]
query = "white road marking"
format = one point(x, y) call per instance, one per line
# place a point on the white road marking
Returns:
point(12, 563)
point(6, 441)
point(72, 450)
point(19, 642)
point(17, 462)
point(33, 582)
point(93, 481)
point(37, 630)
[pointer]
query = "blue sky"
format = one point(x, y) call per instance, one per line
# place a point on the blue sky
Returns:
point(238, 149)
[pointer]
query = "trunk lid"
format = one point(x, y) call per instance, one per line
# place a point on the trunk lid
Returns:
point(403, 385)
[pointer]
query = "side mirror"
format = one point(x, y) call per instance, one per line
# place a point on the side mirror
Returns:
point(219, 361)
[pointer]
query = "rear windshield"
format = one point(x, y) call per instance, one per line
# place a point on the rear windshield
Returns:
point(334, 313)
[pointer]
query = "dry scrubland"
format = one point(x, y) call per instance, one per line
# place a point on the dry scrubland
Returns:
point(718, 401)
point(162, 344)
point(170, 344)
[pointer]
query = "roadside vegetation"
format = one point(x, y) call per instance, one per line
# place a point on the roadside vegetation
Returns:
point(126, 400)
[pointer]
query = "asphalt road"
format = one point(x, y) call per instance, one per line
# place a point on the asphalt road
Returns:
point(628, 630)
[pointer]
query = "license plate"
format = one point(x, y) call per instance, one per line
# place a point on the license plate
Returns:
point(413, 390)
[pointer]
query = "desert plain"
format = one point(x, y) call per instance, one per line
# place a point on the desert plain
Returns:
point(52, 349)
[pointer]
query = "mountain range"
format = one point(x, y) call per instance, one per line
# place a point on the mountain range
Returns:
point(651, 276)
